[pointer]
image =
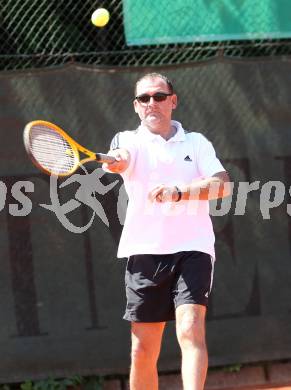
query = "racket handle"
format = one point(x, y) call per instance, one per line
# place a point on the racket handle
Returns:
point(104, 158)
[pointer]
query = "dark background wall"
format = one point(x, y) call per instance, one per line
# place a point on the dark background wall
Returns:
point(62, 296)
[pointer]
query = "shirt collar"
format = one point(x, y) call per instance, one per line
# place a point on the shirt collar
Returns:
point(177, 137)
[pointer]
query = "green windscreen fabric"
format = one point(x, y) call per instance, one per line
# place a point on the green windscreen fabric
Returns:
point(180, 21)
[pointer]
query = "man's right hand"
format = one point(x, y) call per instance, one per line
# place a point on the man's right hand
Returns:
point(121, 163)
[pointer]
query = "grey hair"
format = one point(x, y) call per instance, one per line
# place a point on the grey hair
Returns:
point(152, 76)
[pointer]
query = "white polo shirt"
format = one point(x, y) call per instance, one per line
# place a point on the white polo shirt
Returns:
point(170, 227)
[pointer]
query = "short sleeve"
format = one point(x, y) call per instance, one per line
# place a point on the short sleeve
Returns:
point(126, 140)
point(208, 163)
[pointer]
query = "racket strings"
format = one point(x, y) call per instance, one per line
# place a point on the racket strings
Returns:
point(51, 150)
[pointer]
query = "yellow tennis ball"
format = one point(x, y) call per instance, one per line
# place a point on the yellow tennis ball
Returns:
point(100, 17)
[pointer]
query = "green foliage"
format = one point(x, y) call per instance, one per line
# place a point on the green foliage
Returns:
point(4, 387)
point(74, 382)
point(28, 385)
point(233, 368)
point(93, 383)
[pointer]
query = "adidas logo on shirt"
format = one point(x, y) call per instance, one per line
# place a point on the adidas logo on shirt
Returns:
point(187, 158)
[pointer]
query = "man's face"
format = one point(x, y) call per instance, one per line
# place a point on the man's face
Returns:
point(153, 114)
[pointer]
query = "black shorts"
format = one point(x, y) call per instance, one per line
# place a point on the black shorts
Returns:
point(157, 284)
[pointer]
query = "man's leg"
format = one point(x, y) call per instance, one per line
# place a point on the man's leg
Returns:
point(190, 327)
point(146, 344)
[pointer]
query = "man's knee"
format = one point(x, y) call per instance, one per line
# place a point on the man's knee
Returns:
point(191, 327)
point(191, 333)
point(142, 353)
point(146, 342)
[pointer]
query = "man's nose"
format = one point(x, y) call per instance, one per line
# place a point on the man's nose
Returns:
point(152, 100)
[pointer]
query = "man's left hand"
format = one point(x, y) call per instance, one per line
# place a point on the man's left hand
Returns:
point(163, 193)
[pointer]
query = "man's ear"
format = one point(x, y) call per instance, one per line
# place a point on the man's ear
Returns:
point(174, 101)
point(135, 103)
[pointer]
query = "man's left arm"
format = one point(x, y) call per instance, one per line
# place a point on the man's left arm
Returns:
point(214, 187)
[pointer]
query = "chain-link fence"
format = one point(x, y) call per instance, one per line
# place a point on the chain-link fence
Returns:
point(42, 33)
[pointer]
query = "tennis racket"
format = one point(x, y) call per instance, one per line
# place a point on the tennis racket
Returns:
point(54, 152)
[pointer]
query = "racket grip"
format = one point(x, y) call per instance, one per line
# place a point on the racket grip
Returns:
point(104, 158)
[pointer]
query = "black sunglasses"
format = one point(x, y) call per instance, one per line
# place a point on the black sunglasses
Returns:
point(158, 97)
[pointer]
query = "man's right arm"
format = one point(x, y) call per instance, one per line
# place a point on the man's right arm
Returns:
point(121, 163)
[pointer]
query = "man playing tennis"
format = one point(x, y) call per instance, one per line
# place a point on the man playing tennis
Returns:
point(168, 238)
